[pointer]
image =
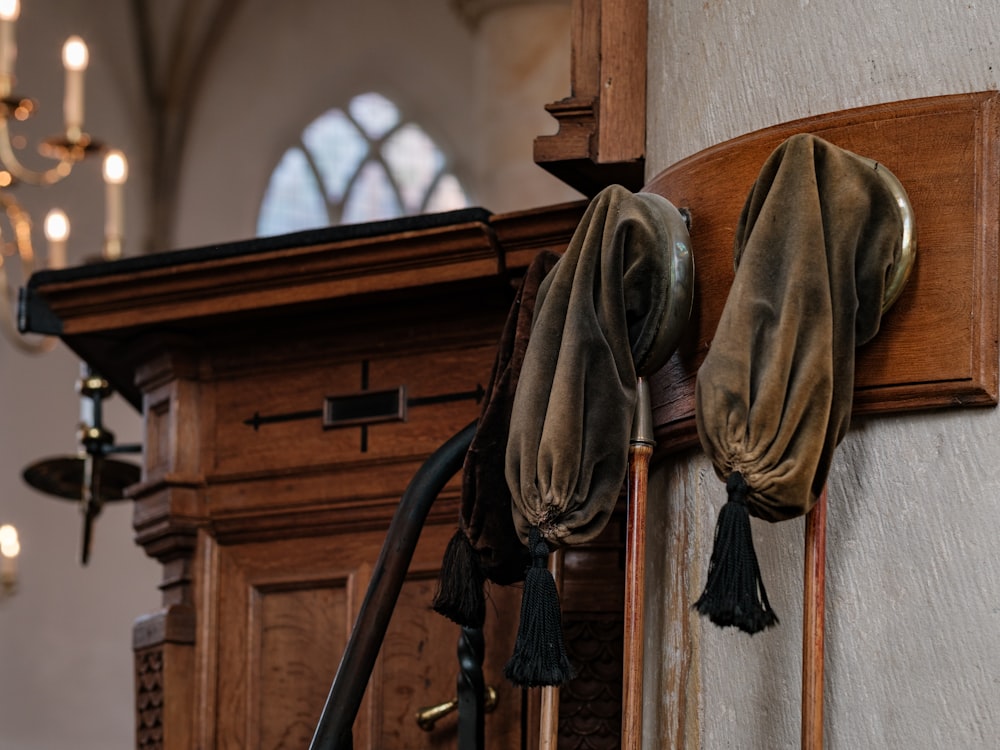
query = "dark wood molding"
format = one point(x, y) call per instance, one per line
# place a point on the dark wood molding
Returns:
point(602, 123)
point(117, 314)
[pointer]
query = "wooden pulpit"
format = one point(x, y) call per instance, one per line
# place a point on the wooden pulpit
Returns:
point(290, 388)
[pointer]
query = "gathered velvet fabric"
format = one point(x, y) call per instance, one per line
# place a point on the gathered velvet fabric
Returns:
point(485, 517)
point(600, 320)
point(486, 546)
point(817, 240)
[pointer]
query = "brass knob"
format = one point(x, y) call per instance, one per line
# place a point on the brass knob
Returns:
point(427, 717)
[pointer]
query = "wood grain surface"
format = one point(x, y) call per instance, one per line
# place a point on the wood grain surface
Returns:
point(938, 344)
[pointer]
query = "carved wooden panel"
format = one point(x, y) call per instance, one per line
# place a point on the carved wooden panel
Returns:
point(590, 705)
point(164, 681)
point(443, 391)
point(274, 469)
point(297, 631)
point(280, 615)
point(156, 448)
point(938, 344)
point(418, 667)
point(149, 698)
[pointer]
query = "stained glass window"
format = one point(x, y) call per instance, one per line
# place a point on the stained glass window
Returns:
point(358, 164)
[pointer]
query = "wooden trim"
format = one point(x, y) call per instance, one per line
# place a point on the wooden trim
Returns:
point(107, 316)
point(272, 279)
point(602, 123)
point(938, 345)
point(621, 128)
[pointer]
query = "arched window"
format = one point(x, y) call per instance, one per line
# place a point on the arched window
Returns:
point(359, 164)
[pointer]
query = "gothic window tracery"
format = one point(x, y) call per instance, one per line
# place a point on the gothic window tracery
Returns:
point(360, 163)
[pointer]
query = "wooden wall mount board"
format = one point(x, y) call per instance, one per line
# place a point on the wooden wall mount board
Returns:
point(938, 344)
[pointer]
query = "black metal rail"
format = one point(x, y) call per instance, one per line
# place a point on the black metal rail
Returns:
point(334, 729)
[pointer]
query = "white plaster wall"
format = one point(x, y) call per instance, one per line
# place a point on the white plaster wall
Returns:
point(522, 63)
point(477, 92)
point(276, 70)
point(913, 591)
point(66, 674)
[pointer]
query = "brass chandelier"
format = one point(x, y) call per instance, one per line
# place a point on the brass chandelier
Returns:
point(62, 152)
point(92, 476)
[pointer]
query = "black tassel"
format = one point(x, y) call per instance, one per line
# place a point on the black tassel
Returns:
point(539, 652)
point(460, 595)
point(734, 593)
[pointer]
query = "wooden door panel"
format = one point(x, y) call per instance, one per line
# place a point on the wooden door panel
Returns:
point(283, 611)
point(418, 667)
point(301, 633)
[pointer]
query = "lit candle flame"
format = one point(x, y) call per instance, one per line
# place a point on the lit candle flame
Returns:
point(115, 168)
point(57, 232)
point(9, 10)
point(75, 58)
point(74, 54)
point(10, 546)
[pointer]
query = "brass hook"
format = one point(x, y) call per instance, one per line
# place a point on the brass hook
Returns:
point(680, 289)
point(908, 252)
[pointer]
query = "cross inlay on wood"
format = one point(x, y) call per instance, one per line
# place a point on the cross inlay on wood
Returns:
point(365, 407)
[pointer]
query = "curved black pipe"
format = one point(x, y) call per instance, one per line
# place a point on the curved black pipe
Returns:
point(334, 729)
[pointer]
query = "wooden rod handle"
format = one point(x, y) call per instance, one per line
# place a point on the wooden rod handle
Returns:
point(548, 732)
point(814, 606)
point(641, 447)
point(635, 584)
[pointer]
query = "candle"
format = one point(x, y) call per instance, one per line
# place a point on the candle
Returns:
point(115, 174)
point(9, 11)
point(75, 57)
point(10, 548)
point(57, 232)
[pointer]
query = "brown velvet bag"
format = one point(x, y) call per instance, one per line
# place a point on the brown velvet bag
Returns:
point(607, 313)
point(818, 237)
point(486, 546)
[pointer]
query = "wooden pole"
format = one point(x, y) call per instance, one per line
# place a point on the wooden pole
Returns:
point(640, 451)
point(814, 605)
point(548, 734)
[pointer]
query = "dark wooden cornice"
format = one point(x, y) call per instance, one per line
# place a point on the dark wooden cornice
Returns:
point(100, 310)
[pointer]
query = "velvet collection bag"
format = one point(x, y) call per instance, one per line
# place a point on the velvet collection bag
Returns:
point(818, 238)
point(486, 546)
point(612, 309)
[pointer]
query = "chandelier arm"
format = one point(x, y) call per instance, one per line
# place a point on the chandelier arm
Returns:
point(21, 224)
point(24, 174)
